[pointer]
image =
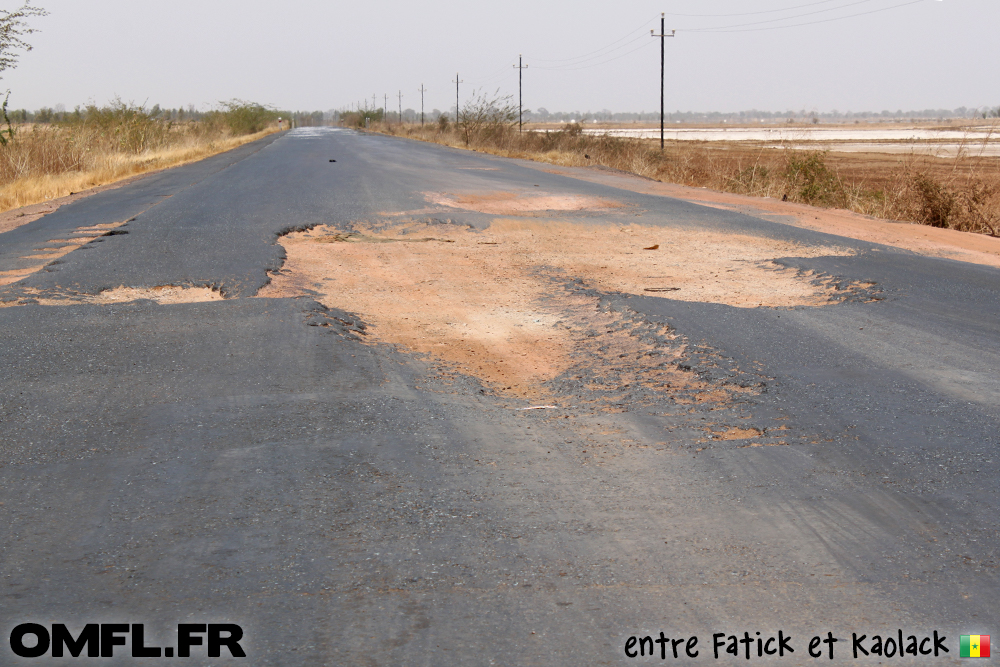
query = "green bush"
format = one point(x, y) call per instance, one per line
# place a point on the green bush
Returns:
point(812, 182)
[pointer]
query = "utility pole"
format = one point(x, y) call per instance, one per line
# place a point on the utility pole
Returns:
point(401, 107)
point(663, 34)
point(422, 105)
point(520, 73)
point(456, 82)
point(385, 108)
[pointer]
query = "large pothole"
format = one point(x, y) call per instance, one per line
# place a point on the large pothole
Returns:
point(494, 303)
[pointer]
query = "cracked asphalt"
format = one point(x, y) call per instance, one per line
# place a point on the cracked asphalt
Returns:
point(259, 461)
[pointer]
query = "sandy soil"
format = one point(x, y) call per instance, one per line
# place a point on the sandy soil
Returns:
point(921, 239)
point(512, 203)
point(163, 294)
point(495, 304)
point(59, 248)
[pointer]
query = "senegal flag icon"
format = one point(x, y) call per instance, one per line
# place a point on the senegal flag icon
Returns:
point(975, 646)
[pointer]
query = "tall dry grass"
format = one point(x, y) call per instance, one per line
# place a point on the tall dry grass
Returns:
point(104, 145)
point(960, 193)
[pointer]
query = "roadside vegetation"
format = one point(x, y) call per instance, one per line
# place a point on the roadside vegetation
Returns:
point(50, 154)
point(960, 193)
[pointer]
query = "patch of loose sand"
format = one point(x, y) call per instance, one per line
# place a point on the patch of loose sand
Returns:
point(163, 294)
point(921, 239)
point(495, 303)
point(81, 236)
point(512, 203)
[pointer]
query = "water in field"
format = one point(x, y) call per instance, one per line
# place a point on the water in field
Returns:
point(983, 141)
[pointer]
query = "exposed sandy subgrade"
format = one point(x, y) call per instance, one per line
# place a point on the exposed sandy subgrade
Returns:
point(60, 248)
point(495, 306)
point(918, 238)
point(513, 203)
point(162, 294)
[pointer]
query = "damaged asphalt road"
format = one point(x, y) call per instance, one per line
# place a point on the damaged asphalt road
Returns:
point(267, 462)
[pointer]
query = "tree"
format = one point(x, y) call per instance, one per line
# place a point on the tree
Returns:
point(13, 29)
point(487, 117)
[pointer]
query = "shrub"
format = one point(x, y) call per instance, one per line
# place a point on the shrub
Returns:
point(935, 203)
point(362, 117)
point(811, 181)
point(242, 117)
point(487, 118)
point(124, 127)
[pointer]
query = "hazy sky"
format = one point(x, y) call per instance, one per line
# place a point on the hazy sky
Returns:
point(584, 55)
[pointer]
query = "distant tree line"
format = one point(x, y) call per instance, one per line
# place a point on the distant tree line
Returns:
point(59, 115)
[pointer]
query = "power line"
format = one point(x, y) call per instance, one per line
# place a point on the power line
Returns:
point(495, 74)
point(585, 56)
point(787, 18)
point(765, 11)
point(799, 25)
point(578, 62)
point(603, 62)
point(641, 38)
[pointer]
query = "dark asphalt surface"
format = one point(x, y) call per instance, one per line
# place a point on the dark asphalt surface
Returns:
point(348, 505)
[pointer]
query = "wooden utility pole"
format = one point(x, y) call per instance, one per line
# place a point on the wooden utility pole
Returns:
point(401, 107)
point(456, 82)
point(663, 35)
point(422, 91)
point(520, 73)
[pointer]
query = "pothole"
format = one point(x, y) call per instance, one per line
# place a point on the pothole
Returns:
point(495, 304)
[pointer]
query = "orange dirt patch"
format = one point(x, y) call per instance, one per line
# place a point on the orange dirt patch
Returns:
point(495, 303)
point(736, 433)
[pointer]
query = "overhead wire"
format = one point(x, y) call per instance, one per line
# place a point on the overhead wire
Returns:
point(571, 68)
point(784, 18)
point(765, 11)
point(742, 28)
point(585, 63)
point(610, 47)
point(578, 62)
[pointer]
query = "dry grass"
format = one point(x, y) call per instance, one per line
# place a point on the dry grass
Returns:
point(45, 162)
point(958, 193)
